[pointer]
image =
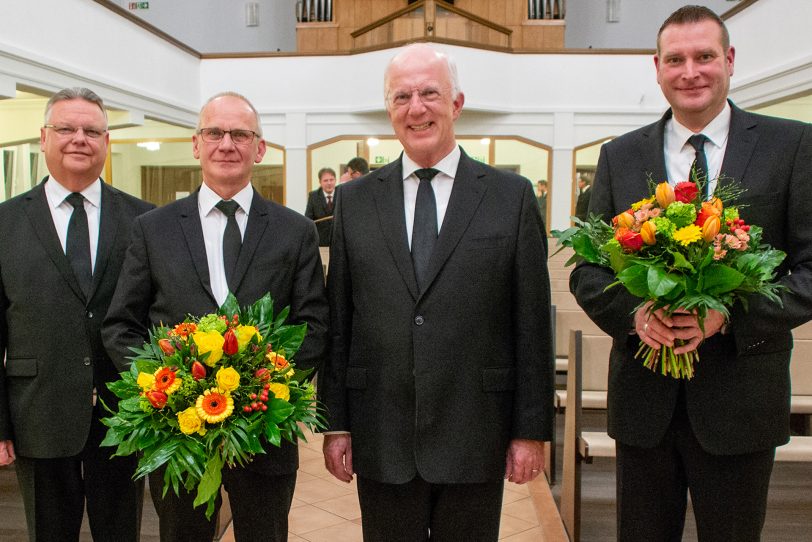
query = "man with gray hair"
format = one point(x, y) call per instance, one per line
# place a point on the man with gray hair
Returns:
point(440, 378)
point(185, 258)
point(64, 243)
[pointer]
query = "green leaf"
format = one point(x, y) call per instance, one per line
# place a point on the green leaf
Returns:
point(635, 279)
point(278, 411)
point(680, 262)
point(272, 434)
point(660, 282)
point(209, 485)
point(230, 306)
point(719, 279)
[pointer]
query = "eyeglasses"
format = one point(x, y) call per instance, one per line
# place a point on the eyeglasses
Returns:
point(215, 135)
point(67, 131)
point(425, 95)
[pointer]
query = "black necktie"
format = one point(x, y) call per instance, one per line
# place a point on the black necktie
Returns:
point(232, 240)
point(699, 169)
point(424, 230)
point(329, 202)
point(77, 245)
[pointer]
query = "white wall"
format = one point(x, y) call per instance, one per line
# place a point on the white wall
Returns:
point(218, 26)
point(638, 25)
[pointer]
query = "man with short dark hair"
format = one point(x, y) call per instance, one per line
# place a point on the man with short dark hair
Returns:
point(357, 167)
point(440, 379)
point(714, 435)
point(320, 205)
point(63, 246)
point(181, 262)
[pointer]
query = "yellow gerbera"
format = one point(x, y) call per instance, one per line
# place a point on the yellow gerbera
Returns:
point(636, 206)
point(687, 235)
point(214, 406)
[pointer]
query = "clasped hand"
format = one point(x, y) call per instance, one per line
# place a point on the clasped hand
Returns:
point(657, 329)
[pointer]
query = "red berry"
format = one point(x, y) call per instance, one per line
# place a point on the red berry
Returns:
point(253, 396)
point(264, 408)
point(246, 408)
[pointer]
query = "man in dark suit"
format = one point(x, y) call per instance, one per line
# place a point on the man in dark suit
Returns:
point(439, 384)
point(714, 435)
point(63, 246)
point(320, 205)
point(582, 203)
point(182, 261)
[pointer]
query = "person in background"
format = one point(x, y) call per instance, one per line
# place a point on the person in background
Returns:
point(320, 205)
point(541, 198)
point(440, 379)
point(357, 167)
point(714, 435)
point(185, 258)
point(63, 246)
point(584, 194)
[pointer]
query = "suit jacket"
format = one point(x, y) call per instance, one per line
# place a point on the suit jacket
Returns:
point(166, 276)
point(582, 203)
point(50, 332)
point(738, 400)
point(439, 382)
point(316, 209)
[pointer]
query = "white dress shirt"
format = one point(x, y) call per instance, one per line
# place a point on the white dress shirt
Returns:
point(61, 212)
point(442, 184)
point(214, 222)
point(680, 155)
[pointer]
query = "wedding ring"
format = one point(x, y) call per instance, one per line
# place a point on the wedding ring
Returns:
point(645, 328)
point(534, 470)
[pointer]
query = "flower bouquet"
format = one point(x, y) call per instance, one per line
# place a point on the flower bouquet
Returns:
point(677, 252)
point(207, 393)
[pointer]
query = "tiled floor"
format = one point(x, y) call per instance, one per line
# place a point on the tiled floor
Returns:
point(326, 510)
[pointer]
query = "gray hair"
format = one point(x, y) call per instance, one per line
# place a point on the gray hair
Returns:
point(75, 93)
point(453, 75)
point(233, 95)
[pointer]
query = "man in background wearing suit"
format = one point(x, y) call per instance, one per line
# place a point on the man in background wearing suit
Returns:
point(714, 435)
point(440, 378)
point(320, 204)
point(582, 203)
point(63, 247)
point(184, 259)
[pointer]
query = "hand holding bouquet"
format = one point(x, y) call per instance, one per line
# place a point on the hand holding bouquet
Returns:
point(208, 392)
point(679, 253)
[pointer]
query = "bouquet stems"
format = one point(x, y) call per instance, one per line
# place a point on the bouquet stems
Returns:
point(675, 365)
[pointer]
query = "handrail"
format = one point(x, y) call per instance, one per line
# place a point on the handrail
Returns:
point(437, 3)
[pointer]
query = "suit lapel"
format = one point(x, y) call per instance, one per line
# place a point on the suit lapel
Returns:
point(388, 194)
point(254, 230)
point(189, 219)
point(109, 222)
point(466, 194)
point(42, 223)
point(741, 142)
point(652, 154)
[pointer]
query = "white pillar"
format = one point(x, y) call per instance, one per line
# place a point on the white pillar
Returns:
point(296, 161)
point(564, 135)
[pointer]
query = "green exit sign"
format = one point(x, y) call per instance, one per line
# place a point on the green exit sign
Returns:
point(139, 5)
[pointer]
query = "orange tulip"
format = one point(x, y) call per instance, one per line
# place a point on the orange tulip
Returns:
point(624, 220)
point(649, 233)
point(665, 195)
point(711, 227)
point(717, 204)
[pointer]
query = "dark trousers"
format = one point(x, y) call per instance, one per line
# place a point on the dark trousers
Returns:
point(728, 492)
point(418, 510)
point(55, 491)
point(259, 507)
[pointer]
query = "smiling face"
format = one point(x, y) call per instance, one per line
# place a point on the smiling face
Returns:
point(75, 160)
point(226, 165)
point(693, 70)
point(420, 105)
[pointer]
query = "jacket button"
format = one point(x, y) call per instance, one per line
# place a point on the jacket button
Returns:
point(89, 314)
point(418, 320)
point(86, 361)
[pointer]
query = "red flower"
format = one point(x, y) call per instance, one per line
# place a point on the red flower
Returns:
point(686, 191)
point(166, 347)
point(185, 329)
point(628, 239)
point(198, 371)
point(230, 344)
point(157, 399)
point(263, 374)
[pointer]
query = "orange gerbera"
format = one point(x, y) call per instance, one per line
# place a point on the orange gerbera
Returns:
point(278, 360)
point(214, 406)
point(166, 380)
point(184, 329)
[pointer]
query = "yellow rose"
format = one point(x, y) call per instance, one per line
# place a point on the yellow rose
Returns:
point(146, 381)
point(244, 334)
point(228, 379)
point(189, 421)
point(280, 391)
point(209, 341)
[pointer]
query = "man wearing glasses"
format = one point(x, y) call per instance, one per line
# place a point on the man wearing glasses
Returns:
point(440, 378)
point(184, 259)
point(63, 245)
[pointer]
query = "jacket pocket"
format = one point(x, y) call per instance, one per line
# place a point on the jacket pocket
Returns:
point(356, 378)
point(21, 367)
point(498, 379)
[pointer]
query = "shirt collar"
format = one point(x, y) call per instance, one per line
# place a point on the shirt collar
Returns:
point(56, 192)
point(208, 198)
point(448, 165)
point(716, 130)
